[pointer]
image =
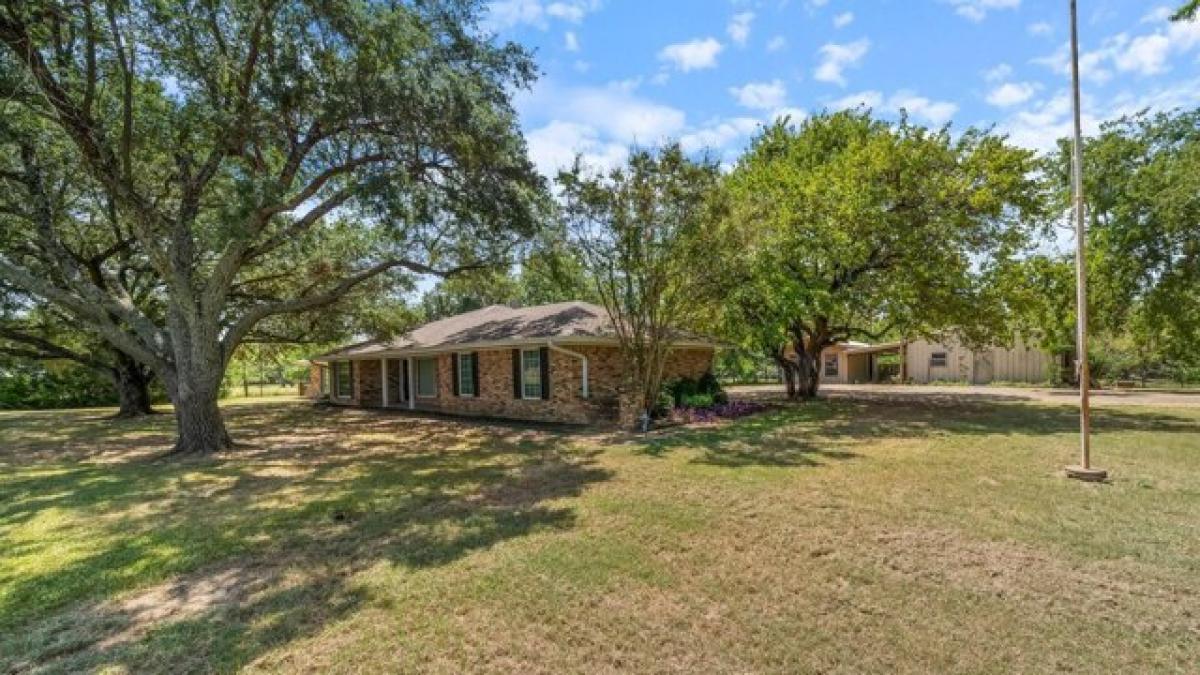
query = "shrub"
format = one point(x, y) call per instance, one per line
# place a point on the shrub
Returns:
point(35, 386)
point(685, 388)
point(697, 401)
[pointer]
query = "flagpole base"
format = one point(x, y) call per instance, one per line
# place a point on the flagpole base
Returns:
point(1089, 474)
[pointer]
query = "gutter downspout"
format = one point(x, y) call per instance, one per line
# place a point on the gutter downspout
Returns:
point(582, 359)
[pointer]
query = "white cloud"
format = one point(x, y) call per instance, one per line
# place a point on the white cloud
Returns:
point(1091, 64)
point(600, 122)
point(934, 112)
point(760, 95)
point(844, 19)
point(868, 99)
point(694, 55)
point(977, 10)
point(835, 58)
point(571, 41)
point(739, 27)
point(719, 134)
point(998, 72)
point(1040, 125)
point(1145, 54)
point(555, 145)
point(616, 111)
point(1182, 94)
point(793, 115)
point(1157, 14)
point(502, 14)
point(919, 107)
point(507, 13)
point(1040, 28)
point(1011, 93)
point(776, 43)
point(572, 11)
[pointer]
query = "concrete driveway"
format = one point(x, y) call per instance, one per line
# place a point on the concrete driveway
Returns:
point(1120, 397)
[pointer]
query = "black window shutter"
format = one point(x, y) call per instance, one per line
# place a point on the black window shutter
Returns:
point(516, 373)
point(404, 366)
point(454, 372)
point(475, 372)
point(544, 357)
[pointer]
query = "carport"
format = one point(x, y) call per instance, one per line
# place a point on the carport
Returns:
point(873, 363)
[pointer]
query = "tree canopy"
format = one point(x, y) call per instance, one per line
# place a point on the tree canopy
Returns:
point(1142, 188)
point(850, 227)
point(642, 231)
point(260, 158)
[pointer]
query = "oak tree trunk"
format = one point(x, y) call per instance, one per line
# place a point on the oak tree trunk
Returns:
point(808, 375)
point(790, 371)
point(201, 428)
point(132, 382)
point(195, 387)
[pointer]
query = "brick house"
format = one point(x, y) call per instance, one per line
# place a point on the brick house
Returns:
point(559, 363)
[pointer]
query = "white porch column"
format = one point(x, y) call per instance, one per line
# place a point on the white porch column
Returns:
point(408, 368)
point(383, 371)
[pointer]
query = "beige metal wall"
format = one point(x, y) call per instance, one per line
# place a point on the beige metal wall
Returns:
point(842, 365)
point(1020, 363)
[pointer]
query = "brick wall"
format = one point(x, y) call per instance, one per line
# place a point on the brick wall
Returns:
point(368, 383)
point(495, 396)
point(312, 388)
point(680, 363)
point(368, 387)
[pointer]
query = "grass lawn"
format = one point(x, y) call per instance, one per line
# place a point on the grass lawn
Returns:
point(835, 536)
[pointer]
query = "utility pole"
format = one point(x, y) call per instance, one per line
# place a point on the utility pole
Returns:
point(1084, 470)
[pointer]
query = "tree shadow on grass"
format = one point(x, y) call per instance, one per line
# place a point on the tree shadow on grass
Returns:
point(809, 434)
point(751, 441)
point(206, 565)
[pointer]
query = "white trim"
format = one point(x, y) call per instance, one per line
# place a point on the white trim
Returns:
point(412, 385)
point(458, 374)
point(541, 385)
point(383, 371)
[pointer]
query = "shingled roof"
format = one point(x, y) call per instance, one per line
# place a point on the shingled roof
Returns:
point(560, 321)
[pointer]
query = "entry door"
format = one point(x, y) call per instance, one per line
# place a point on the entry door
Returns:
point(983, 370)
point(396, 392)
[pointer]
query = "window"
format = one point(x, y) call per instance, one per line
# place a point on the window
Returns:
point(466, 375)
point(324, 372)
point(831, 366)
point(531, 373)
point(937, 360)
point(343, 376)
point(427, 378)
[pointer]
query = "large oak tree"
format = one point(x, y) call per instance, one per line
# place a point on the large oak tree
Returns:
point(262, 158)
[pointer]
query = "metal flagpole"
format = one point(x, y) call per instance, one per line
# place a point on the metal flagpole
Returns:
point(1084, 470)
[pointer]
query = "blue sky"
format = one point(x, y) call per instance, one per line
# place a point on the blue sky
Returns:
point(708, 72)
